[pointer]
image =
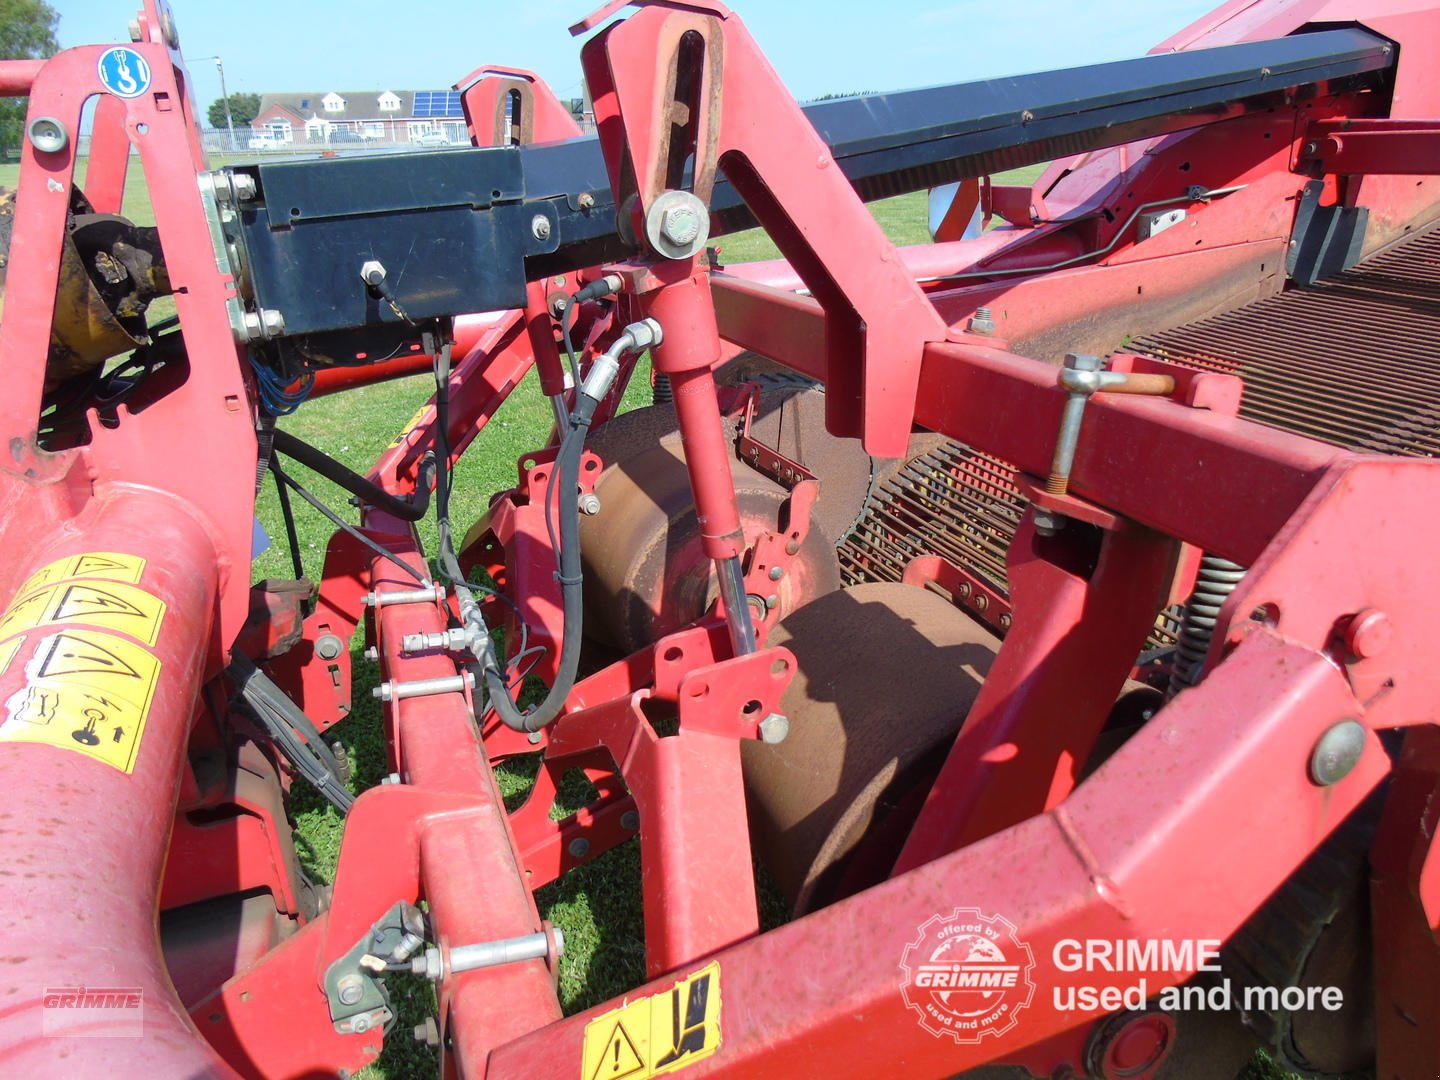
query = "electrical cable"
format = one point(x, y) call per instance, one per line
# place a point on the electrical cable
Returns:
point(336, 472)
point(287, 514)
point(293, 732)
point(341, 523)
point(1203, 196)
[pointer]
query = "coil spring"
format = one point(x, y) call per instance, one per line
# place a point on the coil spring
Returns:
point(1214, 583)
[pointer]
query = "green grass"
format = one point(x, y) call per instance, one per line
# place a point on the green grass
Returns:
point(597, 906)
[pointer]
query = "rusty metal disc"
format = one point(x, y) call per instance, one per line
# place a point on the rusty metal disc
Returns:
point(645, 571)
point(886, 675)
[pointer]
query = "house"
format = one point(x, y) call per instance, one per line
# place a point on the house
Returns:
point(387, 116)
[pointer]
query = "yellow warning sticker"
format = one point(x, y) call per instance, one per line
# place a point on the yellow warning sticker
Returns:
point(410, 425)
point(106, 565)
point(86, 691)
point(658, 1034)
point(110, 604)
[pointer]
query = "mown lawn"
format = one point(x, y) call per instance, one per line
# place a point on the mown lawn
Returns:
point(598, 906)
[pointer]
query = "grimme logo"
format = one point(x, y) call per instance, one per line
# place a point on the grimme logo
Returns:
point(93, 1012)
point(967, 975)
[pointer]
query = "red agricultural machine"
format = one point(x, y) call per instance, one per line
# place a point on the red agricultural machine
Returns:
point(1044, 616)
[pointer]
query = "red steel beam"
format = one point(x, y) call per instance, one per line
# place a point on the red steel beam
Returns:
point(1373, 147)
point(821, 996)
point(1225, 485)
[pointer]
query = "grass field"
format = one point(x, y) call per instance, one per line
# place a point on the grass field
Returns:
point(598, 906)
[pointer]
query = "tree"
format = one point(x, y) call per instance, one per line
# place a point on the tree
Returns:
point(27, 32)
point(243, 109)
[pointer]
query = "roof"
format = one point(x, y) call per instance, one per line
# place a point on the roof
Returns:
point(365, 104)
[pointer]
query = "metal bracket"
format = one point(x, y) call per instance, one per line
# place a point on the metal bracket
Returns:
point(355, 983)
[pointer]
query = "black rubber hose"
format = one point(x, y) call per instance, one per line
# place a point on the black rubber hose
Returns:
point(572, 448)
point(412, 509)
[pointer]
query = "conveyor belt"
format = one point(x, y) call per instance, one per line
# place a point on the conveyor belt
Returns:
point(1353, 361)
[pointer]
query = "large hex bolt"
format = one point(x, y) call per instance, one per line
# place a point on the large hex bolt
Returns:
point(350, 989)
point(677, 224)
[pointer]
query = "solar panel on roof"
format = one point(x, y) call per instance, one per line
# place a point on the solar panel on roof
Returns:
point(437, 103)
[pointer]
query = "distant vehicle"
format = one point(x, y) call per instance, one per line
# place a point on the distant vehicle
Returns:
point(346, 135)
point(264, 142)
point(432, 138)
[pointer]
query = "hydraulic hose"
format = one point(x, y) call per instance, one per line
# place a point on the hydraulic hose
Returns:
point(588, 395)
point(412, 509)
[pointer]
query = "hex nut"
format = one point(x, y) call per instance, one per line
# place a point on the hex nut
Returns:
point(775, 728)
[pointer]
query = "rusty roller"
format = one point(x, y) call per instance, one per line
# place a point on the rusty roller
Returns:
point(831, 805)
point(645, 572)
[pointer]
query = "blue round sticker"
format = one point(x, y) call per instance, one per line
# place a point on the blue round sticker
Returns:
point(124, 72)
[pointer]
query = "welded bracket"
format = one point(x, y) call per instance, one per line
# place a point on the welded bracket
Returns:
point(355, 983)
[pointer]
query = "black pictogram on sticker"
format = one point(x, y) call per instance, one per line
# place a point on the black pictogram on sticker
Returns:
point(687, 1033)
point(81, 600)
point(68, 655)
point(620, 1059)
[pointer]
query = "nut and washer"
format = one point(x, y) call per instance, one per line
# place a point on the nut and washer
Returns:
point(540, 227)
point(589, 503)
point(445, 684)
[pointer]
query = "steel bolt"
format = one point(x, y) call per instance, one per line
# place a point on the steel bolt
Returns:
point(243, 184)
point(1048, 523)
point(680, 225)
point(630, 820)
point(48, 135)
point(350, 989)
point(428, 1032)
point(772, 602)
point(983, 321)
point(540, 227)
point(579, 847)
point(1337, 752)
point(393, 778)
point(586, 201)
point(372, 653)
point(372, 272)
point(329, 647)
point(775, 728)
point(776, 573)
point(589, 503)
point(1368, 633)
point(534, 738)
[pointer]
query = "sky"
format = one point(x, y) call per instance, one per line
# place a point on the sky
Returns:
point(818, 46)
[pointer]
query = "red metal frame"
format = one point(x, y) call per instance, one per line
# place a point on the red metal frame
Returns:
point(1005, 829)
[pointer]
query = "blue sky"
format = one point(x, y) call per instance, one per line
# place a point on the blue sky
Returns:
point(818, 46)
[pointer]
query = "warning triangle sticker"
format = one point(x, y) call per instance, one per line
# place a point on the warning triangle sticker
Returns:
point(68, 654)
point(97, 564)
point(620, 1058)
point(81, 600)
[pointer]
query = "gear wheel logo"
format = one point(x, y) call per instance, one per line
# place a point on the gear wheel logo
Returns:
point(967, 975)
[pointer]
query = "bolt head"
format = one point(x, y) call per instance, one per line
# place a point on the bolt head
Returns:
point(48, 135)
point(1337, 752)
point(589, 504)
point(1082, 362)
point(350, 989)
point(372, 272)
point(1048, 523)
point(1368, 633)
point(680, 225)
point(329, 647)
point(630, 820)
point(776, 573)
point(775, 728)
point(579, 847)
point(540, 227)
